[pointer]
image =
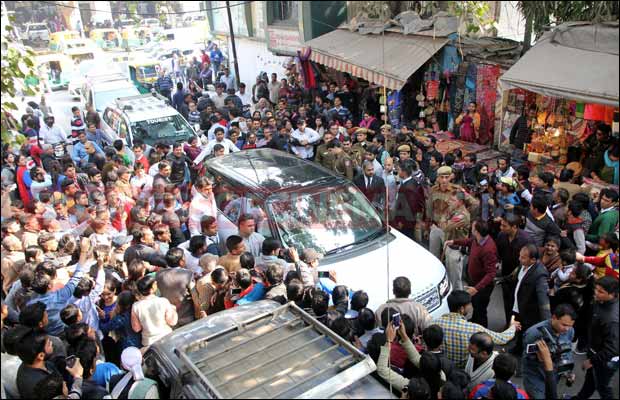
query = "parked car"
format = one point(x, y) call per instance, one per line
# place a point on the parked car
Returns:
point(101, 91)
point(148, 117)
point(36, 34)
point(307, 206)
point(152, 23)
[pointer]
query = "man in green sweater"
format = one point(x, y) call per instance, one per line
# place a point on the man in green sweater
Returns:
point(607, 220)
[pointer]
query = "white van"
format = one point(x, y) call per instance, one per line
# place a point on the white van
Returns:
point(307, 206)
point(147, 117)
point(104, 89)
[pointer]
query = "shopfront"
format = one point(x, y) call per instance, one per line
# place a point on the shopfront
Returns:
point(569, 84)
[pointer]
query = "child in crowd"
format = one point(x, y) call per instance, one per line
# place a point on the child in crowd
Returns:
point(561, 275)
point(607, 261)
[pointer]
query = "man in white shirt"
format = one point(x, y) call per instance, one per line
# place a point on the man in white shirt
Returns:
point(218, 98)
point(228, 145)
point(202, 204)
point(306, 137)
point(51, 133)
point(274, 87)
point(246, 98)
point(228, 79)
point(247, 230)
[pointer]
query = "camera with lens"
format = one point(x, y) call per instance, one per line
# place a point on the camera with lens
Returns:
point(285, 254)
point(561, 354)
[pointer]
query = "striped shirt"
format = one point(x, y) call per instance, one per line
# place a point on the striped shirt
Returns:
point(457, 331)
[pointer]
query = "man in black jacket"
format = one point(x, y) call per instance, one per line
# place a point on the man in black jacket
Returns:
point(531, 303)
point(143, 250)
point(521, 131)
point(509, 243)
point(372, 186)
point(603, 341)
point(410, 200)
point(539, 224)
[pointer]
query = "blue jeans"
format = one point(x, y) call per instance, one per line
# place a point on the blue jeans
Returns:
point(533, 379)
point(484, 205)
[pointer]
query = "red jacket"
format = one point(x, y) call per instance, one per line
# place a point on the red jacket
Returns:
point(482, 261)
point(230, 304)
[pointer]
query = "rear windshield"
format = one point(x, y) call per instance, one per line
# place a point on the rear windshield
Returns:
point(37, 27)
point(172, 129)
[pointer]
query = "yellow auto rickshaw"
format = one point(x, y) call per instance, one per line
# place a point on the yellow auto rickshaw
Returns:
point(143, 74)
point(57, 38)
point(55, 69)
point(106, 39)
point(79, 50)
point(135, 36)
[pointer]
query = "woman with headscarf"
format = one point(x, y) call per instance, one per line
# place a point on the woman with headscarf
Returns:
point(133, 384)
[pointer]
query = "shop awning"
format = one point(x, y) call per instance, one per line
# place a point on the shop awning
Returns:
point(575, 61)
point(385, 61)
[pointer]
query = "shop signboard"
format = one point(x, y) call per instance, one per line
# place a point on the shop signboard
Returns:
point(284, 40)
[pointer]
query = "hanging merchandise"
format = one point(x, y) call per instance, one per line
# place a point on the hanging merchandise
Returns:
point(599, 112)
point(420, 97)
point(486, 94)
point(470, 85)
point(579, 109)
point(395, 109)
point(432, 89)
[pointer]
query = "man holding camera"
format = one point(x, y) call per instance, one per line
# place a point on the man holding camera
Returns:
point(557, 333)
point(602, 362)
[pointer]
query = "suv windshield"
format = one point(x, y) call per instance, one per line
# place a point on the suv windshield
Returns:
point(168, 128)
point(326, 220)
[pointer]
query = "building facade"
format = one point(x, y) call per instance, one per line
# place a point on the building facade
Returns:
point(268, 33)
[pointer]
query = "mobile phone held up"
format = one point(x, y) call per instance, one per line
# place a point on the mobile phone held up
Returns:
point(531, 348)
point(324, 274)
point(70, 361)
point(235, 291)
point(396, 320)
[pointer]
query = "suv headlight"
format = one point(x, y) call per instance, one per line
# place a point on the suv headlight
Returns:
point(444, 286)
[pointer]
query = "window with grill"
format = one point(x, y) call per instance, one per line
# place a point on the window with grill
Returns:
point(285, 11)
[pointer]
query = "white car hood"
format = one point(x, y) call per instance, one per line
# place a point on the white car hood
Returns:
point(369, 271)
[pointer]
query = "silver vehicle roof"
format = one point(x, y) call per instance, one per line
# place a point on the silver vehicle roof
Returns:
point(265, 350)
point(112, 84)
point(144, 107)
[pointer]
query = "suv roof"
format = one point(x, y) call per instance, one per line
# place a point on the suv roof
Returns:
point(112, 84)
point(268, 171)
point(145, 106)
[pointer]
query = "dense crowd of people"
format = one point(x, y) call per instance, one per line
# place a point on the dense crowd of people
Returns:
point(108, 249)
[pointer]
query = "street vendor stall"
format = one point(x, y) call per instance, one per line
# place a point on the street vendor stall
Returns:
point(570, 78)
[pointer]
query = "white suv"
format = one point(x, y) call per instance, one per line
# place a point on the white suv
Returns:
point(307, 206)
point(36, 33)
point(147, 117)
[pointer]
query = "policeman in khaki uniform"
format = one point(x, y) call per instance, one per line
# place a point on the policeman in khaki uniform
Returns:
point(343, 164)
point(444, 207)
point(323, 155)
point(390, 142)
point(359, 148)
